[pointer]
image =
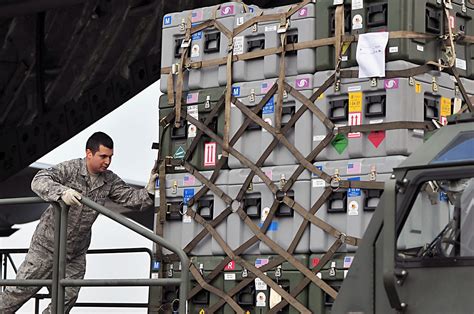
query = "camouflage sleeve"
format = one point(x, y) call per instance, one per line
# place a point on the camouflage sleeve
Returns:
point(128, 196)
point(48, 183)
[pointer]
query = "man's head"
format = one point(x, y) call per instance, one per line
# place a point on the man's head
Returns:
point(99, 151)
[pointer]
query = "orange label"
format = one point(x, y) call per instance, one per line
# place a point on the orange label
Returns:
point(355, 102)
point(418, 88)
point(445, 107)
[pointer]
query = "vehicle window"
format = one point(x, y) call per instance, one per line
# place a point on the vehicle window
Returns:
point(440, 222)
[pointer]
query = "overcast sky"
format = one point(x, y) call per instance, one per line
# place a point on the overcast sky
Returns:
point(133, 127)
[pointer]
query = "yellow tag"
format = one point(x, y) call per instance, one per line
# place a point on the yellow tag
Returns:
point(202, 311)
point(418, 88)
point(321, 96)
point(355, 102)
point(445, 107)
point(344, 48)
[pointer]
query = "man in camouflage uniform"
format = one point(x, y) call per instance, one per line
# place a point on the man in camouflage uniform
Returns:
point(68, 181)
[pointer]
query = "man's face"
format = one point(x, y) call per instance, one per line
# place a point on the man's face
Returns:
point(100, 161)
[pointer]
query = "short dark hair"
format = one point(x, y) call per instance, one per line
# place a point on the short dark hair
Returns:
point(97, 139)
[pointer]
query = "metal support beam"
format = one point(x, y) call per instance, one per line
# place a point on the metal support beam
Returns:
point(57, 229)
point(62, 257)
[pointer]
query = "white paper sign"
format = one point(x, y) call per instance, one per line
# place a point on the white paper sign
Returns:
point(260, 284)
point(371, 54)
point(229, 276)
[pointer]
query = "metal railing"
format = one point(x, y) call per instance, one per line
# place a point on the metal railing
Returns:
point(5, 257)
point(58, 282)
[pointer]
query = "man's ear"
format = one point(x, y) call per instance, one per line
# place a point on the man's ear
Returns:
point(89, 153)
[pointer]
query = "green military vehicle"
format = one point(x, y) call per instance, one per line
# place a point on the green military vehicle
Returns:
point(417, 255)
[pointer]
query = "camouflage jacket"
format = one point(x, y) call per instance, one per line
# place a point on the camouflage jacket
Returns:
point(50, 183)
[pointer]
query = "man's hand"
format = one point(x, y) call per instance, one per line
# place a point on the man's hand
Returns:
point(150, 187)
point(71, 197)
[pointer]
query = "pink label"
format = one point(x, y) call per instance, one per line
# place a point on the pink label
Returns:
point(391, 84)
point(302, 83)
point(265, 87)
point(210, 154)
point(259, 262)
point(192, 98)
point(196, 16)
point(230, 266)
point(189, 180)
point(227, 10)
point(303, 12)
point(354, 168)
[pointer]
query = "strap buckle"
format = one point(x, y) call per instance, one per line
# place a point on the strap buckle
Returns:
point(373, 173)
point(175, 68)
point(186, 43)
point(283, 27)
point(174, 189)
point(182, 25)
point(448, 4)
point(252, 95)
point(434, 84)
point(343, 237)
point(282, 181)
point(335, 182)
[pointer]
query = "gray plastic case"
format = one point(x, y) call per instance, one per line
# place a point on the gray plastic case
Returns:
point(349, 211)
point(264, 35)
point(257, 203)
point(423, 98)
point(180, 229)
point(255, 140)
point(205, 45)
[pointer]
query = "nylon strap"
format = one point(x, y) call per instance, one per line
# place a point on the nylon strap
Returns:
point(278, 260)
point(214, 112)
point(162, 190)
point(231, 150)
point(288, 257)
point(179, 84)
point(325, 142)
point(296, 8)
point(450, 53)
point(385, 126)
point(302, 285)
point(197, 275)
point(228, 95)
point(170, 87)
point(281, 78)
point(289, 47)
point(466, 97)
point(318, 222)
point(281, 138)
point(162, 210)
point(197, 174)
point(222, 161)
point(240, 250)
point(310, 105)
point(339, 32)
point(224, 30)
point(322, 200)
point(291, 300)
